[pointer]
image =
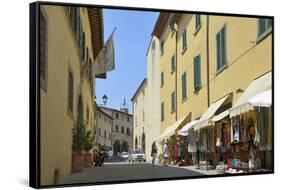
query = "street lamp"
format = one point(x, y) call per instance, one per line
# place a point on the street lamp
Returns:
point(104, 99)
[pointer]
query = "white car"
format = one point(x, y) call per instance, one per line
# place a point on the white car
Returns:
point(124, 156)
point(137, 155)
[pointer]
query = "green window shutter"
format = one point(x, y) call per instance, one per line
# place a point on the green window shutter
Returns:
point(261, 26)
point(197, 73)
point(43, 46)
point(70, 92)
point(83, 46)
point(218, 51)
point(223, 47)
point(184, 39)
point(173, 61)
point(162, 79)
point(197, 21)
point(183, 79)
point(162, 111)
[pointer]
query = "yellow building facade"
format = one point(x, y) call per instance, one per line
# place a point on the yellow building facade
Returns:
point(67, 55)
point(245, 53)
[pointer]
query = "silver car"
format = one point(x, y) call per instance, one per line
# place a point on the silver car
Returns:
point(137, 155)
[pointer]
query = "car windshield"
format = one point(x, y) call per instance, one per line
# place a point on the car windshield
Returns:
point(137, 152)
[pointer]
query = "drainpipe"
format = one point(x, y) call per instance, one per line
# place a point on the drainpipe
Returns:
point(208, 68)
point(176, 76)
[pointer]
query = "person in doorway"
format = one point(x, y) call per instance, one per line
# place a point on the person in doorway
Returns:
point(153, 152)
point(165, 154)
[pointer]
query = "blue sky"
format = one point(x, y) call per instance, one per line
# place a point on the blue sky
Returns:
point(131, 40)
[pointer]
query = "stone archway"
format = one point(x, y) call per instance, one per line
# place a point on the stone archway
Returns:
point(116, 147)
point(125, 147)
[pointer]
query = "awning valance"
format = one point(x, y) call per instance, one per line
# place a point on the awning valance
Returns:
point(263, 99)
point(184, 131)
point(259, 85)
point(205, 119)
point(170, 130)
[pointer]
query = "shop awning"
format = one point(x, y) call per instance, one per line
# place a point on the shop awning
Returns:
point(170, 130)
point(205, 119)
point(187, 127)
point(220, 116)
point(259, 85)
point(263, 99)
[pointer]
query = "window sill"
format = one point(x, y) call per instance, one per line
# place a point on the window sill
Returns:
point(172, 72)
point(263, 36)
point(197, 30)
point(221, 69)
point(184, 50)
point(184, 100)
point(196, 90)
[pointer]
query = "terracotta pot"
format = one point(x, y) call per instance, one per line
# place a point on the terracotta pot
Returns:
point(77, 162)
point(88, 159)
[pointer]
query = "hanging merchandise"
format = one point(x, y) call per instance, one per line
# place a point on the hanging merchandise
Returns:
point(218, 134)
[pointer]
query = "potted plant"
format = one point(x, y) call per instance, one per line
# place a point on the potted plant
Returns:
point(78, 141)
point(88, 145)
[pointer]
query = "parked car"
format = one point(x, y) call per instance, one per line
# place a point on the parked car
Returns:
point(137, 155)
point(124, 156)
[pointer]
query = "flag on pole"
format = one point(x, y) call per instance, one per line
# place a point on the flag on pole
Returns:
point(105, 60)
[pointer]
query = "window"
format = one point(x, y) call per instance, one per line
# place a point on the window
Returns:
point(109, 135)
point(173, 102)
point(104, 134)
point(136, 122)
point(143, 119)
point(264, 26)
point(70, 93)
point(122, 129)
point(128, 118)
point(116, 128)
point(162, 79)
point(43, 49)
point(197, 73)
point(184, 40)
point(183, 83)
point(221, 49)
point(99, 132)
point(83, 46)
point(173, 63)
point(162, 47)
point(197, 21)
point(87, 113)
point(128, 131)
point(116, 115)
point(162, 111)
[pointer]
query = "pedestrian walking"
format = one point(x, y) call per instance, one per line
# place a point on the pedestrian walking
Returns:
point(153, 152)
point(165, 154)
point(110, 155)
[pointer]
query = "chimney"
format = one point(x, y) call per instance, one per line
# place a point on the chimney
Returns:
point(125, 110)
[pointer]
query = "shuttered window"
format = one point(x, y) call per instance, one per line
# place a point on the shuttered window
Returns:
point(162, 79)
point(43, 46)
point(197, 21)
point(162, 47)
point(173, 63)
point(183, 82)
point(221, 49)
point(83, 46)
point(162, 112)
point(70, 93)
point(173, 102)
point(184, 39)
point(197, 73)
point(264, 26)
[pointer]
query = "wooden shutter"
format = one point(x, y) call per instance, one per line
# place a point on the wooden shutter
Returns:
point(218, 51)
point(223, 47)
point(162, 79)
point(261, 26)
point(197, 73)
point(183, 79)
point(162, 111)
point(184, 39)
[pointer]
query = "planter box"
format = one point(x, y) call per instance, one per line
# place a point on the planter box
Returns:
point(77, 162)
point(88, 159)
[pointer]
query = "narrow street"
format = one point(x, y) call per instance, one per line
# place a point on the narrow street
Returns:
point(118, 171)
